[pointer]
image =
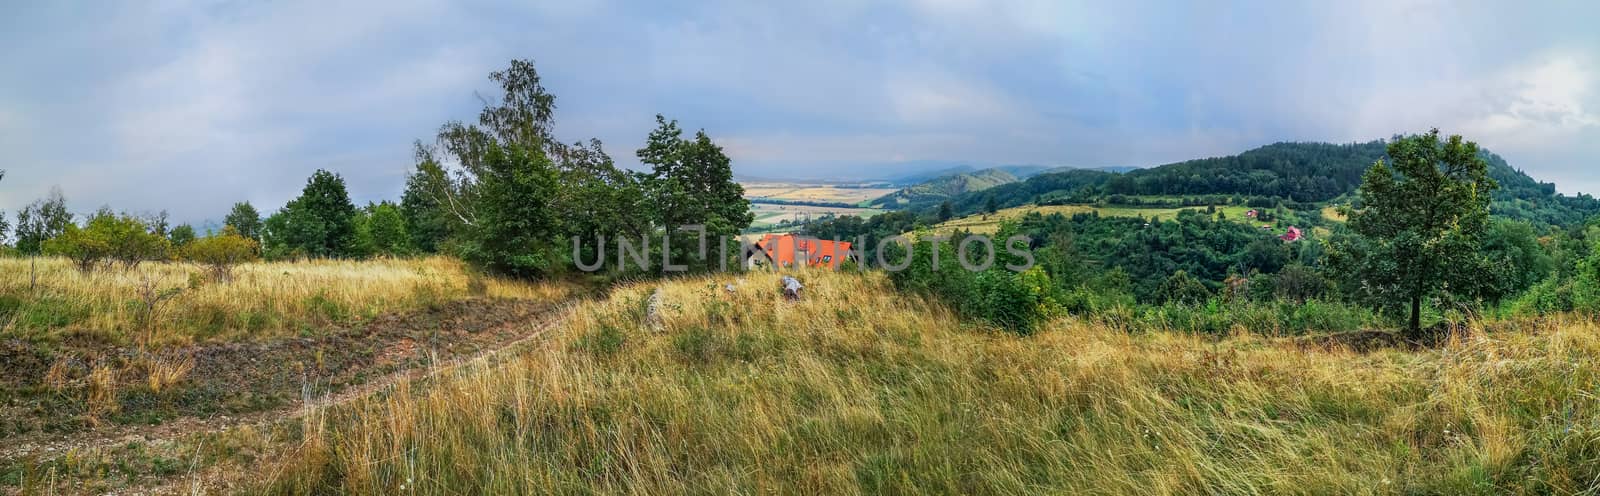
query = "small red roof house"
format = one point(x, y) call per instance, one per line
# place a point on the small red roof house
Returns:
point(788, 250)
point(1252, 214)
point(1292, 236)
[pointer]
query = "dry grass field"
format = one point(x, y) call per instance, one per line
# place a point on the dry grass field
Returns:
point(797, 191)
point(47, 299)
point(859, 390)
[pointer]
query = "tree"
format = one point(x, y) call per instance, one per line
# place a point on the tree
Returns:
point(318, 224)
point(1183, 289)
point(506, 196)
point(1422, 218)
point(946, 212)
point(43, 219)
point(156, 222)
point(691, 183)
point(221, 252)
point(1512, 260)
point(245, 220)
point(386, 230)
point(1266, 255)
point(422, 205)
point(181, 235)
point(108, 238)
point(1300, 283)
point(990, 205)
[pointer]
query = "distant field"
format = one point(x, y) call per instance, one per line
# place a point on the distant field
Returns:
point(799, 191)
point(1332, 213)
point(768, 214)
point(990, 223)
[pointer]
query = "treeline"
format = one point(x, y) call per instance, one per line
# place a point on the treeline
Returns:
point(501, 193)
point(1293, 174)
point(1391, 263)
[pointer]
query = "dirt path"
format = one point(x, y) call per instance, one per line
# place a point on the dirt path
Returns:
point(40, 448)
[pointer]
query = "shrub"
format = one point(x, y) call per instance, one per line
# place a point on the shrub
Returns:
point(1182, 288)
point(219, 253)
point(1017, 302)
point(108, 238)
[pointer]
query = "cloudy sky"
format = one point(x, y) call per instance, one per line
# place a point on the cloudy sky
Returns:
point(190, 106)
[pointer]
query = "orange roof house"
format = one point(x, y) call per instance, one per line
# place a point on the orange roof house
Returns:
point(788, 250)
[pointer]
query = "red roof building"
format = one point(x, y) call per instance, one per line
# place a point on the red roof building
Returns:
point(788, 250)
point(1293, 235)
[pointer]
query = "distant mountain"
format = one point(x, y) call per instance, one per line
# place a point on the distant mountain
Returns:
point(915, 178)
point(941, 188)
point(1293, 172)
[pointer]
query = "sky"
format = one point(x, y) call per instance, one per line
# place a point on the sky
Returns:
point(189, 106)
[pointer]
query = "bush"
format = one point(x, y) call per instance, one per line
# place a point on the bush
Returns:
point(1181, 288)
point(108, 238)
point(219, 253)
point(1017, 302)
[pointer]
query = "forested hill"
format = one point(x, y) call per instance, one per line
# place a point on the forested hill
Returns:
point(942, 188)
point(1289, 172)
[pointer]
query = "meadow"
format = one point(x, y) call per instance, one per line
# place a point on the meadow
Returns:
point(47, 299)
point(857, 389)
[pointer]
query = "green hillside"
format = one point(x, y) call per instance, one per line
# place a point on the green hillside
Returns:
point(1292, 173)
point(942, 188)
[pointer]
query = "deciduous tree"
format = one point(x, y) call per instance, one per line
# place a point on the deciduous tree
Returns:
point(1423, 216)
point(246, 221)
point(43, 219)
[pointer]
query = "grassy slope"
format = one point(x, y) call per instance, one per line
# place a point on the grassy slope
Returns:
point(858, 390)
point(263, 301)
point(947, 186)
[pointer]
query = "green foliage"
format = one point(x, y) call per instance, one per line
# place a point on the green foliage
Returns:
point(691, 183)
point(516, 227)
point(246, 221)
point(870, 231)
point(1293, 174)
point(44, 219)
point(1511, 261)
point(1182, 289)
point(381, 230)
point(514, 198)
point(1017, 302)
point(106, 239)
point(181, 235)
point(1077, 248)
point(1299, 283)
point(1421, 222)
point(318, 224)
point(220, 252)
point(422, 204)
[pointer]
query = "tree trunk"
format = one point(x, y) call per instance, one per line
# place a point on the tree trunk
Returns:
point(1416, 316)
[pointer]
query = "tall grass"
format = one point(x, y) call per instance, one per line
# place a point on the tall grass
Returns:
point(177, 303)
point(858, 390)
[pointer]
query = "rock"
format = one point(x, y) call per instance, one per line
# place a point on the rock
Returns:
point(652, 311)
